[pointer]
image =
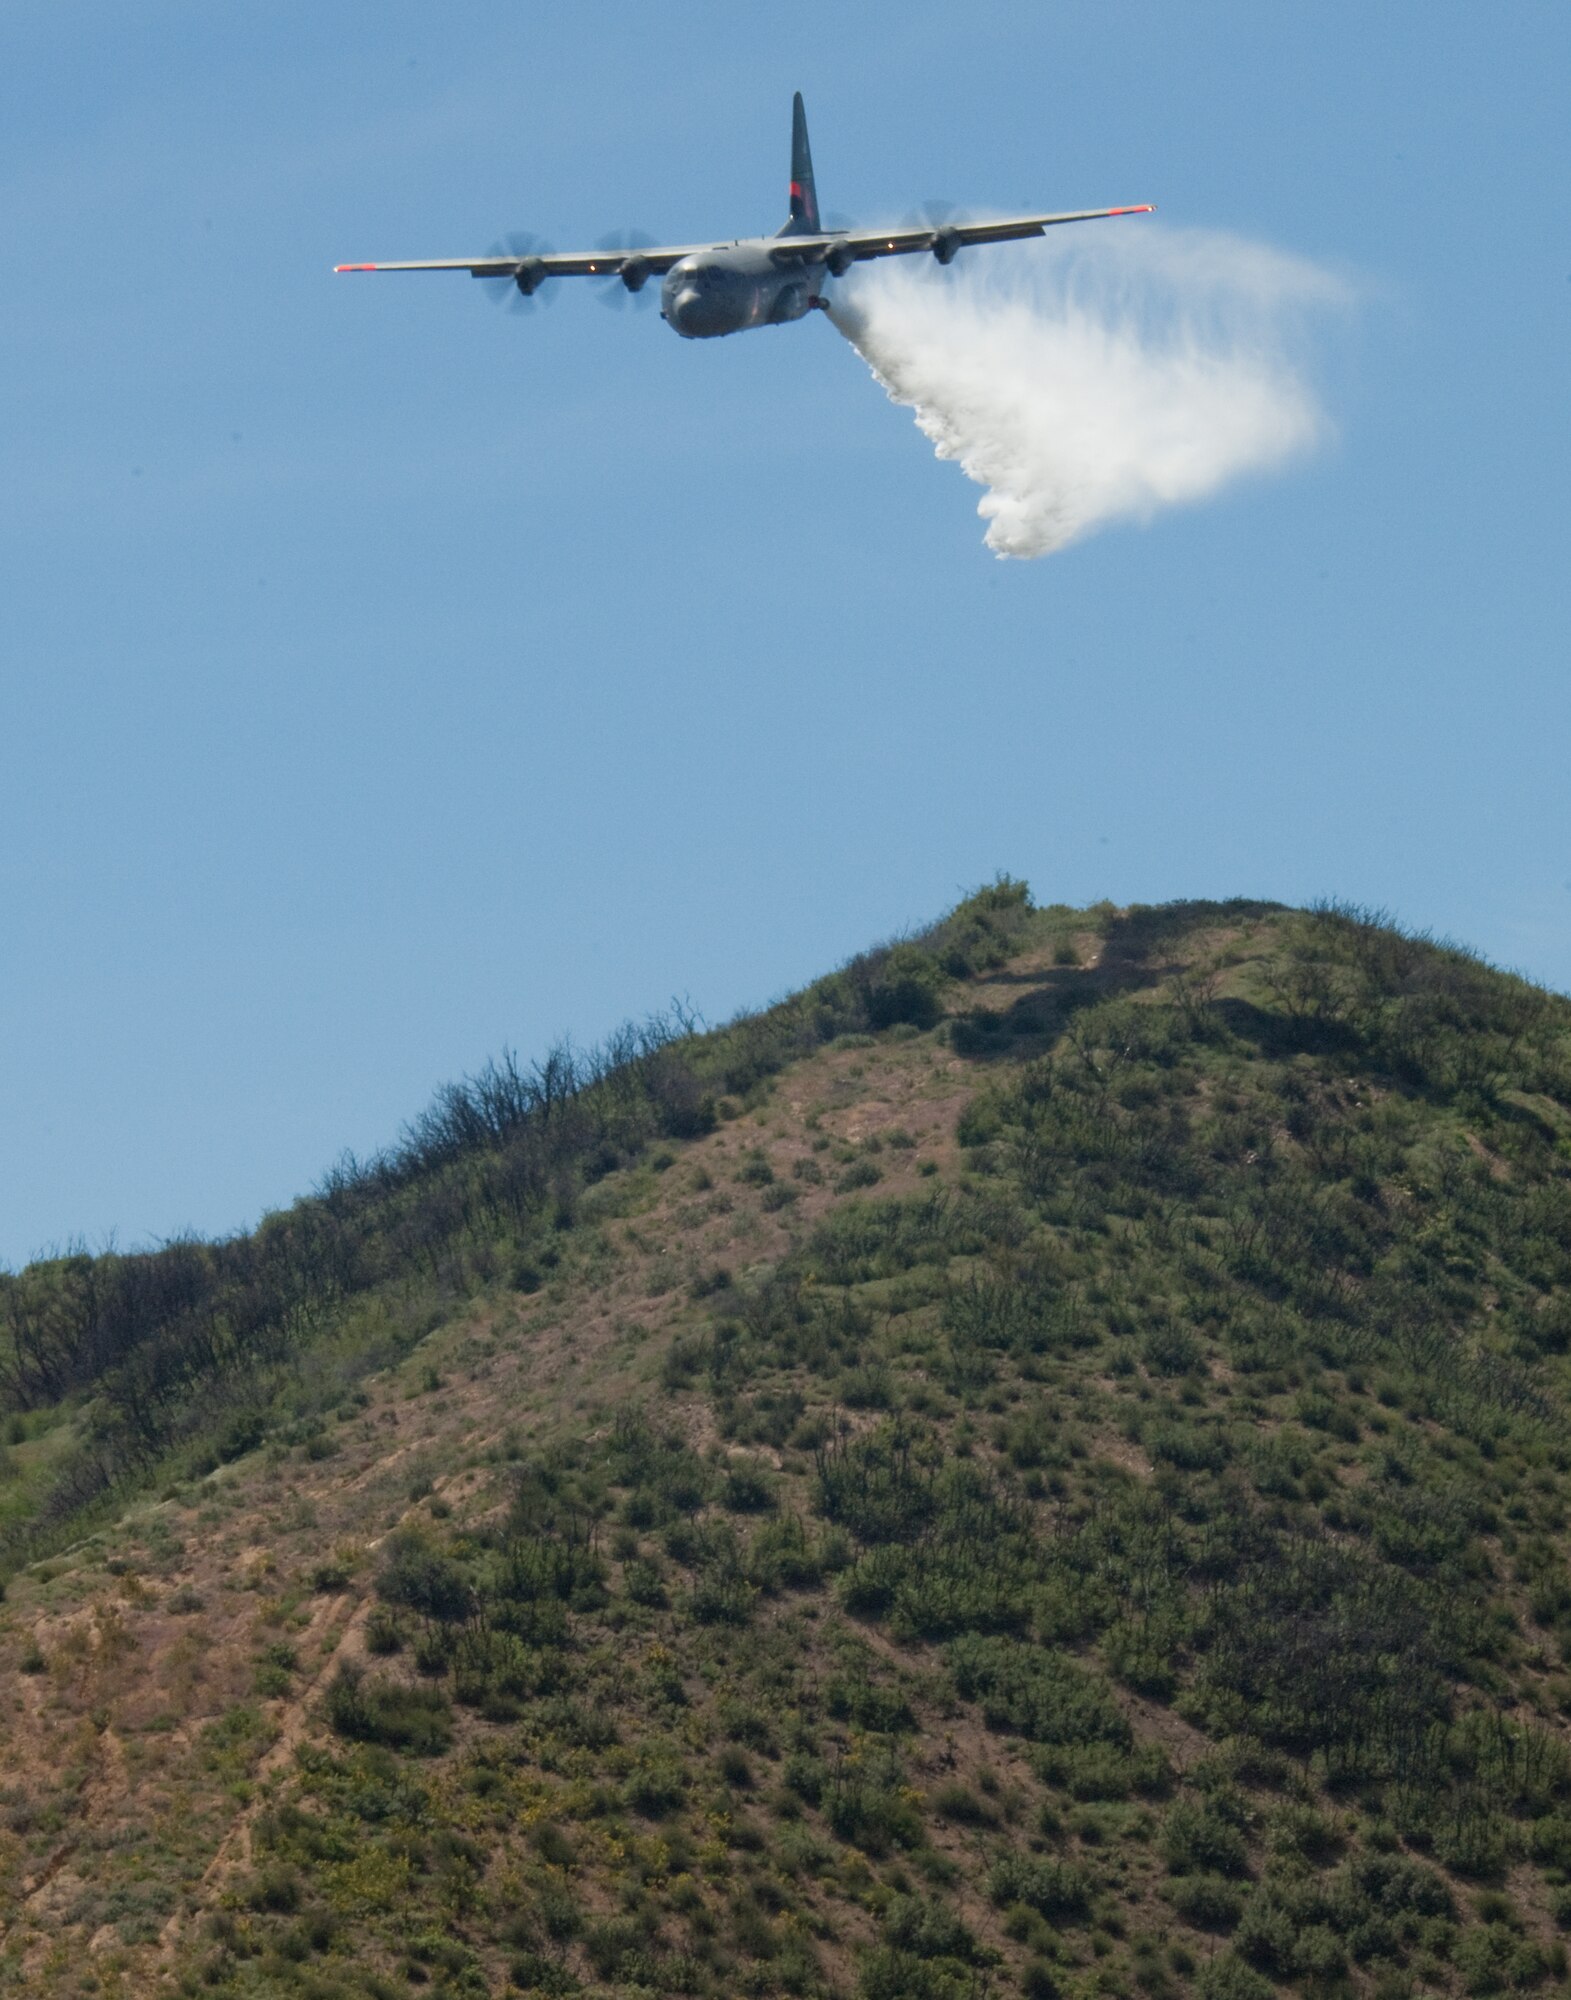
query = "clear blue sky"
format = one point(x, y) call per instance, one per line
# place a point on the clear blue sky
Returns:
point(384, 680)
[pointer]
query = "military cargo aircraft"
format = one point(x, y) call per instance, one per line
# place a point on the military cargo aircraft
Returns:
point(715, 288)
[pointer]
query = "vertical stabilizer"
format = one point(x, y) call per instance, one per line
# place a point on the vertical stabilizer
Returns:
point(804, 196)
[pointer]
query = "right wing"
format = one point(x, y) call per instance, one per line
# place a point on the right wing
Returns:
point(552, 264)
point(856, 245)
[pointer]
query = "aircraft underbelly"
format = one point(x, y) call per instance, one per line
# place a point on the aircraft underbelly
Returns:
point(744, 299)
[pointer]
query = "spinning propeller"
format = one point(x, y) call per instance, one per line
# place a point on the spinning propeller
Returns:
point(940, 217)
point(625, 283)
point(520, 292)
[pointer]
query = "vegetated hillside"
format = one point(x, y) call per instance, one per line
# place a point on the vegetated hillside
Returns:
point(1038, 1466)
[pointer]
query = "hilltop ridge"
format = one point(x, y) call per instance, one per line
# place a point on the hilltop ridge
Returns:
point(1037, 1465)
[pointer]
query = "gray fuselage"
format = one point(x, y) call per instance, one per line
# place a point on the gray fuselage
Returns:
point(739, 285)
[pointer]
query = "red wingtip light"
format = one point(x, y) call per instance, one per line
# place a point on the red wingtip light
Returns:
point(353, 267)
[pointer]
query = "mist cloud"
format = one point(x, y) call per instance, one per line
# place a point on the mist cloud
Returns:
point(1088, 382)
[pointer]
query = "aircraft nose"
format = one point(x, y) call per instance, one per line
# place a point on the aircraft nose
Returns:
point(685, 309)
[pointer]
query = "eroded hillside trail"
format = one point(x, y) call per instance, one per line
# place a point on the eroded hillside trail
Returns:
point(330, 1633)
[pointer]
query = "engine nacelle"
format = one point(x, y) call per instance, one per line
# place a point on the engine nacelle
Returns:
point(840, 259)
point(635, 273)
point(530, 276)
point(945, 243)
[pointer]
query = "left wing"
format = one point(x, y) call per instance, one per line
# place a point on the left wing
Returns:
point(553, 264)
point(845, 247)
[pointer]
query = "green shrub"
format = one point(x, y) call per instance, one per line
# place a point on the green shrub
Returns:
point(1278, 1933)
point(1054, 1889)
point(1033, 1693)
point(535, 1972)
point(806, 1775)
point(620, 1950)
point(1209, 1902)
point(1227, 1977)
point(1190, 1447)
point(747, 1489)
point(644, 1584)
point(558, 1911)
point(1090, 1771)
point(889, 1974)
point(928, 1929)
point(656, 1786)
point(734, 1767)
point(241, 1433)
point(1395, 1884)
point(371, 1710)
point(852, 1697)
point(1168, 1348)
point(1202, 1836)
point(276, 1889)
point(383, 1633)
point(1473, 1844)
point(866, 1804)
point(417, 1576)
point(957, 1802)
point(1140, 1654)
point(906, 989)
point(1318, 1411)
point(1494, 1958)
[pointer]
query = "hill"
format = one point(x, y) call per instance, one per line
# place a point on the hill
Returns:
point(1038, 1465)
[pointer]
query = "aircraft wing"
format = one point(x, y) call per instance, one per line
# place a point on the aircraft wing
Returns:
point(552, 264)
point(794, 249)
point(950, 236)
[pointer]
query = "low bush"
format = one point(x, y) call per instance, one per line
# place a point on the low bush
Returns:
point(1209, 1902)
point(1204, 1836)
point(928, 1928)
point(1056, 1890)
point(1028, 1691)
point(367, 1709)
point(1228, 1977)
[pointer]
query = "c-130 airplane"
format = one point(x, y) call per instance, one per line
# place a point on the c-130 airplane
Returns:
point(716, 288)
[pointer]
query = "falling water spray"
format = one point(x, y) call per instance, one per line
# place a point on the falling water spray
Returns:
point(1086, 383)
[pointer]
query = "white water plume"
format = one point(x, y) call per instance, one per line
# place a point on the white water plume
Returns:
point(1094, 381)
